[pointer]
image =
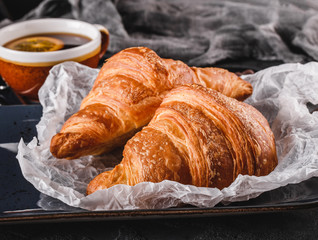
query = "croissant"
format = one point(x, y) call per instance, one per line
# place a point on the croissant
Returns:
point(129, 88)
point(199, 137)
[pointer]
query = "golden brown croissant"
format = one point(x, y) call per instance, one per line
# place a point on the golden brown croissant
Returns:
point(129, 88)
point(199, 137)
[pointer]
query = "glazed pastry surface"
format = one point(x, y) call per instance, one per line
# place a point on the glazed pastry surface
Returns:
point(199, 137)
point(129, 88)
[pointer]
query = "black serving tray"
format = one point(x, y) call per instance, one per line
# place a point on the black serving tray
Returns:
point(18, 198)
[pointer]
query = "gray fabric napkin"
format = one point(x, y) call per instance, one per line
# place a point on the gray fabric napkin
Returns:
point(200, 32)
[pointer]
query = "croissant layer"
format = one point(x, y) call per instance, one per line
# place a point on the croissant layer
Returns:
point(199, 137)
point(129, 88)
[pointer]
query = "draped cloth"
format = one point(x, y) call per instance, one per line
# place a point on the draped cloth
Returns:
point(202, 32)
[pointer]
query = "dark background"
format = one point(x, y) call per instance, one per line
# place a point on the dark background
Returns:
point(15, 9)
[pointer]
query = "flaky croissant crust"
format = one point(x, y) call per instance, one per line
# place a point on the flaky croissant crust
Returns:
point(197, 136)
point(129, 88)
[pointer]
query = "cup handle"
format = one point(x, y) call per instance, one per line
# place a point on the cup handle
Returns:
point(104, 39)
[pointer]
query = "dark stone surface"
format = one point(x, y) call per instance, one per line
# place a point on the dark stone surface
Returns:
point(282, 225)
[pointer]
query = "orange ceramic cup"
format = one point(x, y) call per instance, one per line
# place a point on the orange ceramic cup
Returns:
point(25, 72)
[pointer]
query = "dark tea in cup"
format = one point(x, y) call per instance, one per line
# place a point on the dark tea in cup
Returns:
point(45, 42)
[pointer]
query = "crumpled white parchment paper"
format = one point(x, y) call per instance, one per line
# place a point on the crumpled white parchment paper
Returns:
point(281, 93)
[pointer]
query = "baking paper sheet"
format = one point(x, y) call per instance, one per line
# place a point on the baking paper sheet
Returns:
point(281, 93)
